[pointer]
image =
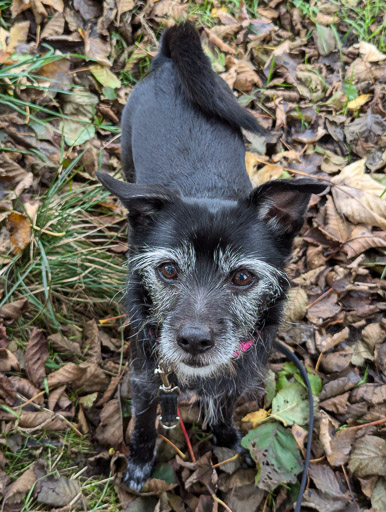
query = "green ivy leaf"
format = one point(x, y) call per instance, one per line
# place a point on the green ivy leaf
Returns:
point(276, 454)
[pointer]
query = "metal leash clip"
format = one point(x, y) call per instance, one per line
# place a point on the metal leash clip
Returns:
point(168, 395)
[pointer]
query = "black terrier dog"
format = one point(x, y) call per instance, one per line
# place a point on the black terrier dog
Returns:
point(206, 287)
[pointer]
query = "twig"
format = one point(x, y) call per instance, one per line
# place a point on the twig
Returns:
point(105, 320)
point(220, 502)
point(377, 422)
point(225, 461)
point(320, 298)
point(318, 361)
point(180, 453)
point(29, 400)
point(186, 437)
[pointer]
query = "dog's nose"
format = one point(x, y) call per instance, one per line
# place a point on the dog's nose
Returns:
point(195, 339)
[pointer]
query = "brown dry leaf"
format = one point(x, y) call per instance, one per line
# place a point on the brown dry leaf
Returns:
point(300, 435)
point(335, 225)
point(331, 341)
point(343, 383)
point(54, 396)
point(357, 196)
point(308, 278)
point(8, 361)
point(63, 345)
point(362, 239)
point(337, 361)
point(4, 340)
point(7, 391)
point(246, 78)
point(224, 47)
point(123, 6)
point(368, 457)
point(296, 306)
point(17, 35)
point(35, 356)
point(324, 309)
point(341, 444)
point(17, 6)
point(58, 492)
point(370, 53)
point(373, 335)
point(25, 388)
point(371, 393)
point(226, 30)
point(19, 227)
point(67, 374)
point(109, 392)
point(110, 431)
point(16, 492)
point(89, 9)
point(94, 379)
point(41, 420)
point(325, 480)
point(91, 341)
point(13, 310)
point(97, 49)
point(54, 26)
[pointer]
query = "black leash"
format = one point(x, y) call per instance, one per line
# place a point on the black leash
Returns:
point(291, 356)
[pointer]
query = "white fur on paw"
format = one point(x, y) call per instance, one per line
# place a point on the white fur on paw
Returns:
point(136, 475)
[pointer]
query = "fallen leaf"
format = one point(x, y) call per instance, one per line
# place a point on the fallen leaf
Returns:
point(373, 335)
point(105, 77)
point(370, 53)
point(110, 430)
point(19, 227)
point(340, 385)
point(368, 457)
point(7, 391)
point(17, 35)
point(325, 40)
point(276, 454)
point(63, 345)
point(54, 26)
point(341, 444)
point(325, 480)
point(378, 496)
point(325, 308)
point(58, 492)
point(35, 356)
point(8, 361)
point(296, 306)
point(91, 342)
point(358, 102)
point(371, 393)
point(256, 417)
point(17, 491)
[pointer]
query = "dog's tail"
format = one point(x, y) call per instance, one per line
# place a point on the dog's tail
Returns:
point(201, 84)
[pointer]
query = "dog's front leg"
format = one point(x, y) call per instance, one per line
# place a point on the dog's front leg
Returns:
point(143, 438)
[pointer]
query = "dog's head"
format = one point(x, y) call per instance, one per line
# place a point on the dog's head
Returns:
point(211, 270)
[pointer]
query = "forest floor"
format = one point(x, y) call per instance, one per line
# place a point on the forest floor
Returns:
point(314, 73)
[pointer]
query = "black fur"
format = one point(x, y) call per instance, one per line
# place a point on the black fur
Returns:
point(192, 204)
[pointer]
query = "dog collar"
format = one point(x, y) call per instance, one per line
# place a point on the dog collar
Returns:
point(243, 347)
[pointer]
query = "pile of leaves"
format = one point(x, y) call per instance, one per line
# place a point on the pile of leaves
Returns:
point(314, 74)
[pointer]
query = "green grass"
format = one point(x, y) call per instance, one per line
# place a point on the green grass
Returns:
point(360, 19)
point(69, 272)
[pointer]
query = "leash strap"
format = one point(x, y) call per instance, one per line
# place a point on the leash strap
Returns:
point(291, 356)
point(168, 396)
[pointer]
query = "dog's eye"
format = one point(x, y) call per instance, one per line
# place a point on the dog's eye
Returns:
point(242, 278)
point(168, 271)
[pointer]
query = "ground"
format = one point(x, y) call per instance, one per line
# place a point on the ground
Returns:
point(314, 74)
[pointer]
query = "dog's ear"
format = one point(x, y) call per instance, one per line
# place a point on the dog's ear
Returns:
point(143, 201)
point(282, 204)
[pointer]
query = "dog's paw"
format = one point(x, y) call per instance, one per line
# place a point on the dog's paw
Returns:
point(136, 474)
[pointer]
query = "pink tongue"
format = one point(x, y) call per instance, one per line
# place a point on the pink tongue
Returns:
point(244, 346)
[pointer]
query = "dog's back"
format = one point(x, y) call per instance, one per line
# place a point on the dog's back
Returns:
point(182, 124)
